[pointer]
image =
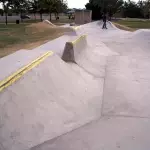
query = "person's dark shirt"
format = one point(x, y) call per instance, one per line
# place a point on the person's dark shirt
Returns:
point(104, 18)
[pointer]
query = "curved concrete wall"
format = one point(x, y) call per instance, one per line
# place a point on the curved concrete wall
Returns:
point(79, 52)
point(46, 102)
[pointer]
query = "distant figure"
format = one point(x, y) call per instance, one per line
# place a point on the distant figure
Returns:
point(104, 21)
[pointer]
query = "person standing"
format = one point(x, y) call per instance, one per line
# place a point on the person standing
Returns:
point(104, 22)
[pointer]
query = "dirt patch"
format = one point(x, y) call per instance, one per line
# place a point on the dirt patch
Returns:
point(9, 50)
point(42, 27)
point(39, 27)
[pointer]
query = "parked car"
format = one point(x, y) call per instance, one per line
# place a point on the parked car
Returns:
point(25, 17)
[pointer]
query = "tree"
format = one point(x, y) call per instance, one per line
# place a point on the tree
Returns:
point(54, 6)
point(49, 6)
point(41, 8)
point(34, 7)
point(59, 6)
point(109, 5)
point(37, 6)
point(6, 4)
point(20, 6)
point(96, 10)
point(141, 7)
point(131, 10)
point(1, 12)
point(106, 6)
point(146, 9)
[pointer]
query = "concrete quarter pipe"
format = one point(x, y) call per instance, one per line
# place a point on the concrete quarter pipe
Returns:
point(47, 101)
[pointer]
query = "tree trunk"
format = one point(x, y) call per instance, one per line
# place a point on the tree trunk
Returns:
point(5, 11)
point(34, 15)
point(6, 19)
point(50, 16)
point(21, 16)
point(41, 16)
point(55, 16)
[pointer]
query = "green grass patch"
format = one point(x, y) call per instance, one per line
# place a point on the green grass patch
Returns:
point(31, 21)
point(136, 24)
point(21, 36)
point(11, 34)
point(12, 26)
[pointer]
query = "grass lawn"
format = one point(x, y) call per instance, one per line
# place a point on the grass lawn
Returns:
point(19, 36)
point(133, 24)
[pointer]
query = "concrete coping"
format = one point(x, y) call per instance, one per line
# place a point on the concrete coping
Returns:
point(18, 74)
point(79, 39)
point(76, 28)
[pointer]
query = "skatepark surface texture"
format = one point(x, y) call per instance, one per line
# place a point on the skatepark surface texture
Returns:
point(89, 90)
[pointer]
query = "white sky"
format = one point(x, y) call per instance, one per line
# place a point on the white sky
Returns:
point(78, 3)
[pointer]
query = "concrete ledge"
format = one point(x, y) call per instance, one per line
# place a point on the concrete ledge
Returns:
point(74, 48)
point(88, 58)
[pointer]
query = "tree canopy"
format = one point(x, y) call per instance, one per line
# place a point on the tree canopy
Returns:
point(129, 8)
point(33, 6)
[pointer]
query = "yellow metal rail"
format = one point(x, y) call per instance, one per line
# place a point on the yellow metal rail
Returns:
point(77, 40)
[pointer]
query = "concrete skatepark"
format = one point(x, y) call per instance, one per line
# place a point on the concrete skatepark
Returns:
point(89, 90)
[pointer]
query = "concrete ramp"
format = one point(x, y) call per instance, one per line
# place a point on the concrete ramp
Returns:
point(88, 58)
point(45, 100)
point(17, 60)
point(49, 23)
point(54, 46)
point(142, 34)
